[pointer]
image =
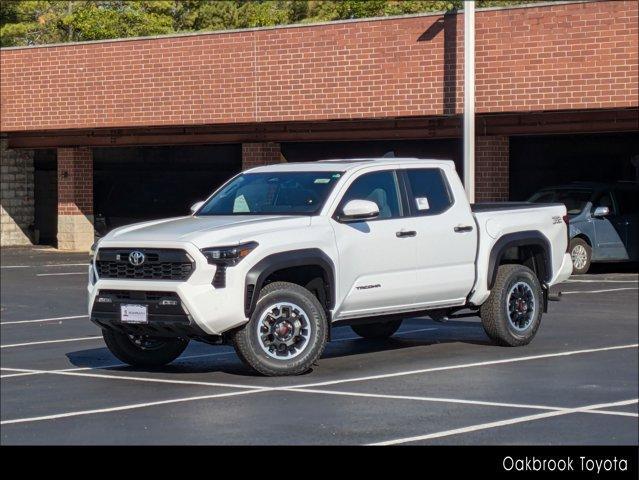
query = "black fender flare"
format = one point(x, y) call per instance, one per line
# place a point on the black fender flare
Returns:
point(518, 239)
point(293, 258)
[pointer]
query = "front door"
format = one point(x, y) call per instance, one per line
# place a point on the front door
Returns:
point(609, 230)
point(377, 257)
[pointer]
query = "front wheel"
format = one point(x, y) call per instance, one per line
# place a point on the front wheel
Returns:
point(143, 351)
point(286, 333)
point(512, 313)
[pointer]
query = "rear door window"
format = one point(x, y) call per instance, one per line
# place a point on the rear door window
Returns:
point(429, 193)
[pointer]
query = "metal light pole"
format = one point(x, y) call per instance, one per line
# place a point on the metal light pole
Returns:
point(469, 99)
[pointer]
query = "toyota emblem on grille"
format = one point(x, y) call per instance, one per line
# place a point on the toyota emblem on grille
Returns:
point(136, 258)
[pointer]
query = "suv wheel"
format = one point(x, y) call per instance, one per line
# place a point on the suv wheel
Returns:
point(286, 333)
point(512, 313)
point(143, 351)
point(377, 330)
point(581, 253)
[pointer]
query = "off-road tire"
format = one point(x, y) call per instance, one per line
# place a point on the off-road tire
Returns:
point(125, 350)
point(494, 314)
point(377, 331)
point(576, 243)
point(248, 346)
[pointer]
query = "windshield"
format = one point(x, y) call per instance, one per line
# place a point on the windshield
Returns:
point(574, 199)
point(281, 193)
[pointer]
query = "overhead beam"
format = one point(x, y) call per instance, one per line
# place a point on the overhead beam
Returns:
point(537, 123)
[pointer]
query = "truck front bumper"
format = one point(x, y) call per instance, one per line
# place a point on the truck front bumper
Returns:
point(192, 308)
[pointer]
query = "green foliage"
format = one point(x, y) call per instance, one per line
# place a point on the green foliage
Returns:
point(34, 22)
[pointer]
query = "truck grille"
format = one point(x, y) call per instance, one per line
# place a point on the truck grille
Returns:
point(158, 264)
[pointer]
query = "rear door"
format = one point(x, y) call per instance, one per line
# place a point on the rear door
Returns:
point(446, 237)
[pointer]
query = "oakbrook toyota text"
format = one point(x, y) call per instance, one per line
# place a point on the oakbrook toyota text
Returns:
point(565, 464)
point(281, 253)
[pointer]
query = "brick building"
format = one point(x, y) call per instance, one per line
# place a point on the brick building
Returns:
point(122, 130)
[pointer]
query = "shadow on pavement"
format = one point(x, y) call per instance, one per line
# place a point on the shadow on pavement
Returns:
point(453, 331)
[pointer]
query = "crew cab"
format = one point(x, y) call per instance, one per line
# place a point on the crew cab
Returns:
point(279, 254)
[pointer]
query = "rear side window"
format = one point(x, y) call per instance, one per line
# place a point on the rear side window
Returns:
point(627, 201)
point(430, 194)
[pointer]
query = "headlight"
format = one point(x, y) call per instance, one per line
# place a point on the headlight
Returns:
point(92, 251)
point(228, 256)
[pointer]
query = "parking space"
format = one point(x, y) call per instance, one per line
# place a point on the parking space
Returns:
point(432, 383)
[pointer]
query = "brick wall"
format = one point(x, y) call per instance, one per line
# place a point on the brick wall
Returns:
point(558, 56)
point(75, 181)
point(16, 196)
point(491, 168)
point(75, 198)
point(256, 154)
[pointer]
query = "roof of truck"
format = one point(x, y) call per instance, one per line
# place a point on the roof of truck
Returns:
point(342, 165)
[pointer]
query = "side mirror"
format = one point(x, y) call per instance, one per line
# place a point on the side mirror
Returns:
point(196, 206)
point(359, 210)
point(601, 212)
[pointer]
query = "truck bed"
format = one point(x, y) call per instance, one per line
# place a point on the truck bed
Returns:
point(497, 206)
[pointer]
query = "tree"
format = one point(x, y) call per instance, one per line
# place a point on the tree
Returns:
point(35, 22)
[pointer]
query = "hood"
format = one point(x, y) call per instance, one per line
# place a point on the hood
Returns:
point(205, 231)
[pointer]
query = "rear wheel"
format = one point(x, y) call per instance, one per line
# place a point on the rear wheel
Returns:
point(286, 333)
point(512, 313)
point(377, 330)
point(580, 253)
point(143, 351)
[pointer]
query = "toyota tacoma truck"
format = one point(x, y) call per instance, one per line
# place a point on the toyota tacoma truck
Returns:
point(279, 254)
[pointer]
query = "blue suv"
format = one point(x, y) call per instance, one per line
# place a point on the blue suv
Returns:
point(604, 220)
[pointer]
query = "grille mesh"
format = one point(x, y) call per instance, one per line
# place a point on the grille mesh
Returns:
point(158, 265)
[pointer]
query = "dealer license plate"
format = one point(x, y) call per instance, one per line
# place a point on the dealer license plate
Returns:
point(134, 314)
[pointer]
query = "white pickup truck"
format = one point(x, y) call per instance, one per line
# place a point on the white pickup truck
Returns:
point(280, 253)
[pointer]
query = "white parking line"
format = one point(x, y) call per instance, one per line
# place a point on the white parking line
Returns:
point(601, 281)
point(501, 423)
point(298, 387)
point(129, 407)
point(467, 365)
point(455, 400)
point(47, 266)
point(38, 320)
point(59, 274)
point(43, 342)
point(132, 378)
point(601, 291)
point(99, 367)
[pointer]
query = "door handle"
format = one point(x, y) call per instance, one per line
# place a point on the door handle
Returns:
point(405, 233)
point(463, 228)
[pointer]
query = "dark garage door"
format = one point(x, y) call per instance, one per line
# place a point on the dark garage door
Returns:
point(537, 162)
point(144, 183)
point(446, 149)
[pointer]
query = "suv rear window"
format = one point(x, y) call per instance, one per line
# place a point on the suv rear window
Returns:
point(575, 199)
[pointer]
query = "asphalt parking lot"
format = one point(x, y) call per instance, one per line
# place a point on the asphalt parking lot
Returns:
point(432, 383)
